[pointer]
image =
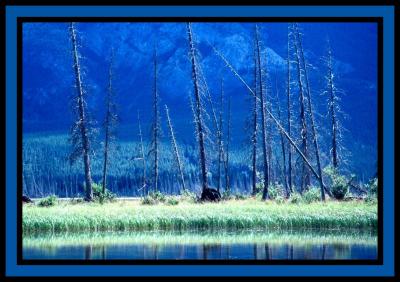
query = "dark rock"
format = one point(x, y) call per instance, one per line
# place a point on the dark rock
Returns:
point(26, 199)
point(210, 194)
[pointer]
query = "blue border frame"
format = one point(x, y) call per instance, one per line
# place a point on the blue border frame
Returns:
point(386, 12)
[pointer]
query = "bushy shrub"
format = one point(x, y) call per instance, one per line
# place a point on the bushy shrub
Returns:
point(275, 190)
point(48, 201)
point(312, 194)
point(279, 199)
point(295, 198)
point(101, 197)
point(373, 187)
point(239, 196)
point(227, 195)
point(339, 183)
point(157, 196)
point(172, 201)
point(148, 201)
point(188, 196)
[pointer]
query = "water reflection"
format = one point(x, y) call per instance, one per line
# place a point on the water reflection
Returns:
point(230, 246)
point(205, 252)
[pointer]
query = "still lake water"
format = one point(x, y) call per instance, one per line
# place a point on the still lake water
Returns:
point(243, 245)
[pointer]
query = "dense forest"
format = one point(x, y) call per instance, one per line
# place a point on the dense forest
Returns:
point(276, 131)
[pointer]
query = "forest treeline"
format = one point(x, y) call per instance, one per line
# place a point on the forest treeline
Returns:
point(284, 141)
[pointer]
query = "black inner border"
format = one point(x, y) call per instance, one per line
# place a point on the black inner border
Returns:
point(377, 20)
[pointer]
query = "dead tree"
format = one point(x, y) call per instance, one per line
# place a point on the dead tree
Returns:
point(289, 114)
point(255, 126)
point(80, 130)
point(282, 140)
point(333, 106)
point(198, 112)
point(263, 117)
point(220, 137)
point(228, 141)
point(110, 121)
point(175, 148)
point(305, 177)
point(310, 109)
point(277, 123)
point(156, 128)
point(142, 155)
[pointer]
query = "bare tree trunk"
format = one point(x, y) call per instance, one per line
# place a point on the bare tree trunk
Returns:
point(310, 107)
point(305, 179)
point(156, 126)
point(175, 149)
point(263, 119)
point(108, 123)
point(82, 119)
point(255, 128)
point(228, 141)
point(285, 181)
point(289, 116)
point(332, 108)
point(220, 142)
point(198, 112)
point(142, 155)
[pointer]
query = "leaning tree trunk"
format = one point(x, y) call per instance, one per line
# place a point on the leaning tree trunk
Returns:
point(310, 108)
point(175, 149)
point(263, 119)
point(82, 115)
point(198, 113)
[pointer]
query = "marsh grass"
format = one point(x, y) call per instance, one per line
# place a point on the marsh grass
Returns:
point(272, 237)
point(233, 214)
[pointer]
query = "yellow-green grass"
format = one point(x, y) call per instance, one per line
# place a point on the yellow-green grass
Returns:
point(159, 238)
point(233, 214)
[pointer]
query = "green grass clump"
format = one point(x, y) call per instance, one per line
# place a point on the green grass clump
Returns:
point(295, 198)
point(48, 201)
point(234, 214)
point(172, 201)
point(313, 194)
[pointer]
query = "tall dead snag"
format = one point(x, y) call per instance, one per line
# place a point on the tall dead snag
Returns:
point(80, 130)
point(305, 177)
point(142, 155)
point(220, 137)
point(175, 148)
point(289, 114)
point(198, 111)
point(263, 117)
point(282, 140)
point(333, 106)
point(156, 128)
point(311, 112)
point(255, 126)
point(277, 123)
point(110, 121)
point(228, 141)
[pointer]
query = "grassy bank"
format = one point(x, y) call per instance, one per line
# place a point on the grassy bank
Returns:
point(233, 214)
point(277, 237)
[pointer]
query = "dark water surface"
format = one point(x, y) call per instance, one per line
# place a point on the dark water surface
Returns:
point(202, 246)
